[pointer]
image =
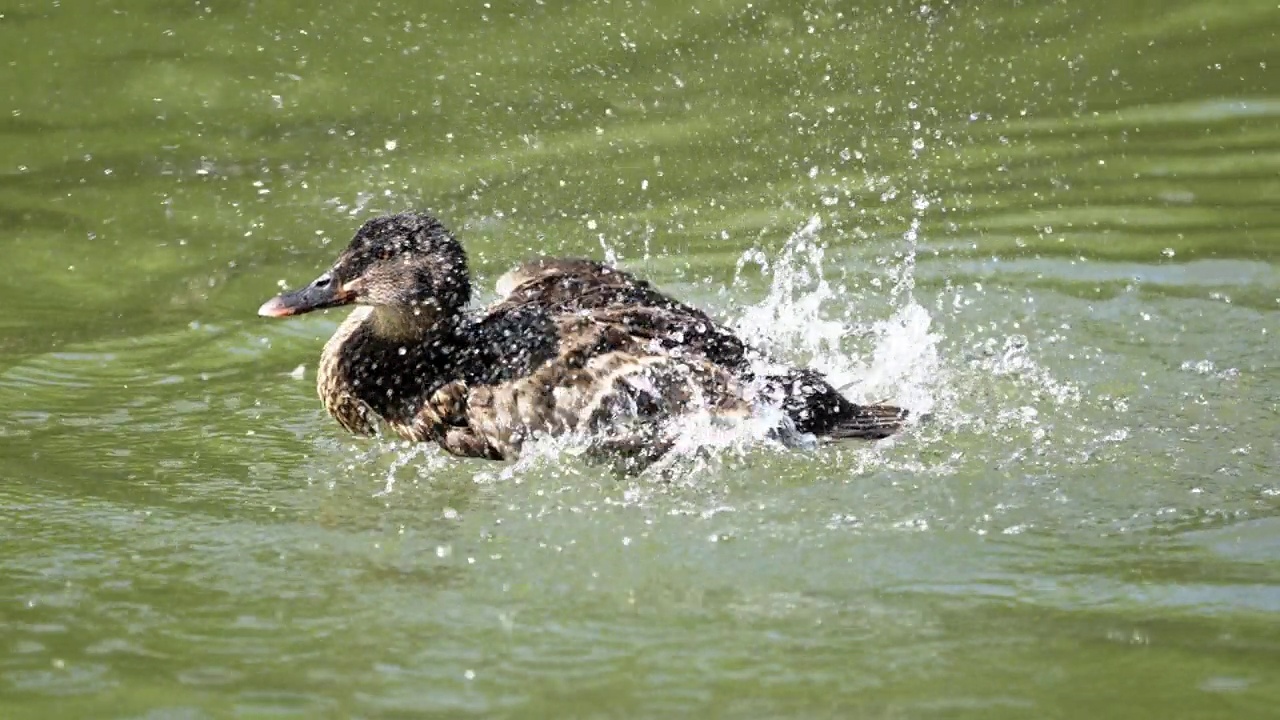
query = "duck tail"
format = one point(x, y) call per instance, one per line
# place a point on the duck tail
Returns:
point(869, 422)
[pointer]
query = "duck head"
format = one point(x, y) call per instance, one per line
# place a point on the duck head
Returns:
point(407, 266)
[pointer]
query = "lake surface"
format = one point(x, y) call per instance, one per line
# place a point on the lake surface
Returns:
point(1053, 226)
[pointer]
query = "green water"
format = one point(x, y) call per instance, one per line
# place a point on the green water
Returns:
point(1056, 225)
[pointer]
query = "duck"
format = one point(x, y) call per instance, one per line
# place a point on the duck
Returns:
point(570, 346)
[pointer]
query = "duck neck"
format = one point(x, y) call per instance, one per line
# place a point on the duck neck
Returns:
point(409, 325)
point(386, 358)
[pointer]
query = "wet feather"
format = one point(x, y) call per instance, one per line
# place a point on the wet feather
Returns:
point(572, 346)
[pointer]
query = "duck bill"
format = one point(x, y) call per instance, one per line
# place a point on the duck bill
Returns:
point(309, 298)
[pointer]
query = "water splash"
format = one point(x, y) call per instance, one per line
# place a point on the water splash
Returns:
point(791, 318)
point(905, 364)
point(904, 359)
point(794, 321)
point(423, 459)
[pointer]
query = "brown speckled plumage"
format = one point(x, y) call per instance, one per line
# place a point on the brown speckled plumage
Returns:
point(572, 346)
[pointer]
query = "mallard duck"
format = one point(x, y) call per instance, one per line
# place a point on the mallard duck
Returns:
point(570, 346)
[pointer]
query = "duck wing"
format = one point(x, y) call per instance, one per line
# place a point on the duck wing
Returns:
point(803, 394)
point(531, 374)
point(621, 299)
point(613, 296)
point(573, 283)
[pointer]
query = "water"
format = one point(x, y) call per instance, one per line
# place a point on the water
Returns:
point(1051, 226)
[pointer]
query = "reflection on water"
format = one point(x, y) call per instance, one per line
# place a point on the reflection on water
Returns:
point(1051, 228)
